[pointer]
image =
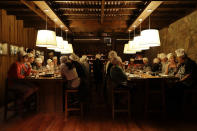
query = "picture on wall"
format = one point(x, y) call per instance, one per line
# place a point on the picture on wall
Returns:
point(14, 49)
point(3, 48)
point(21, 49)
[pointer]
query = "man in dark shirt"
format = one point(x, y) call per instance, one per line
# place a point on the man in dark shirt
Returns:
point(75, 61)
point(187, 72)
point(98, 72)
point(117, 74)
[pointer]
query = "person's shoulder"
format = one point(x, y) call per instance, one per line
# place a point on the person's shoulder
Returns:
point(116, 68)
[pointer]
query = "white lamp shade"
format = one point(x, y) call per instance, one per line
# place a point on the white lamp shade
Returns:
point(151, 37)
point(139, 43)
point(68, 49)
point(59, 44)
point(132, 47)
point(126, 51)
point(46, 38)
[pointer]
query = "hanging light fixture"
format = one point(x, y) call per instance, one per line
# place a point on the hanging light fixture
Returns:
point(132, 45)
point(68, 49)
point(151, 36)
point(139, 42)
point(46, 38)
point(126, 51)
point(60, 45)
point(59, 40)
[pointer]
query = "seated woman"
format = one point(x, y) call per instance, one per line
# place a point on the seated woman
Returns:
point(69, 72)
point(171, 68)
point(55, 63)
point(131, 66)
point(50, 65)
point(117, 74)
point(38, 65)
point(74, 59)
point(146, 66)
point(19, 71)
point(109, 64)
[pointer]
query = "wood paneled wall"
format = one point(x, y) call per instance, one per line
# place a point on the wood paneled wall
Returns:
point(13, 33)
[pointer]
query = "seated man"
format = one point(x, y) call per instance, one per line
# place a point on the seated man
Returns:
point(117, 74)
point(19, 71)
point(187, 70)
point(156, 66)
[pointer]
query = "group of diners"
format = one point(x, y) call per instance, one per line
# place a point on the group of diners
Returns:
point(177, 65)
point(76, 70)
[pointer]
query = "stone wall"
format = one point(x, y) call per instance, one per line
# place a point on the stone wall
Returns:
point(180, 34)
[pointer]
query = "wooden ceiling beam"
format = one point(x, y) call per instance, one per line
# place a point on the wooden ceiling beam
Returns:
point(52, 14)
point(153, 5)
point(67, 6)
point(133, 1)
point(93, 17)
point(102, 11)
point(36, 10)
point(68, 13)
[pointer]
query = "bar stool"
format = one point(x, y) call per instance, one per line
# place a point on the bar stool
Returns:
point(119, 90)
point(69, 108)
point(154, 87)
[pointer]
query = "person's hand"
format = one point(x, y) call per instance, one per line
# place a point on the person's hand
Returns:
point(28, 63)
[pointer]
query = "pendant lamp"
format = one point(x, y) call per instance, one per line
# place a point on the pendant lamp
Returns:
point(59, 40)
point(68, 49)
point(46, 38)
point(139, 41)
point(126, 51)
point(151, 36)
point(132, 45)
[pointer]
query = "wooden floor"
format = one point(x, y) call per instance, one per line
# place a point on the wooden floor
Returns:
point(97, 119)
point(56, 122)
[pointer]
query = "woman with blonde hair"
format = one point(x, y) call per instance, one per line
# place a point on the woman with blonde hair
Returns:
point(112, 54)
point(171, 68)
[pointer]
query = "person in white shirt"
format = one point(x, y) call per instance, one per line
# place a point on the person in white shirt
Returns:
point(164, 62)
point(50, 65)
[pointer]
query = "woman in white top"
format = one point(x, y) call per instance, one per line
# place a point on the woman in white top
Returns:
point(50, 65)
point(69, 72)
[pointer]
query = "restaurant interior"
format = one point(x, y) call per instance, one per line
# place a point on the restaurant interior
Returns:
point(98, 65)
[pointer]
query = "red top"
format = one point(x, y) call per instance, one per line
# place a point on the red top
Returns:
point(18, 71)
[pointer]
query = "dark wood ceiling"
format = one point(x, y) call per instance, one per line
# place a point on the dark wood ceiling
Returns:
point(101, 17)
point(96, 17)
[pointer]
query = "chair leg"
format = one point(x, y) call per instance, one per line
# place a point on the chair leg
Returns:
point(113, 106)
point(129, 109)
point(66, 105)
point(37, 101)
point(81, 110)
point(5, 111)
